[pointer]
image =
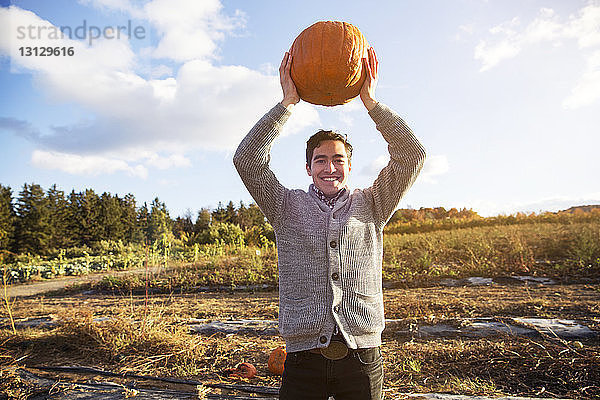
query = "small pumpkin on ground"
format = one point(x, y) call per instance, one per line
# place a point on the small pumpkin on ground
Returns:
point(327, 64)
point(242, 370)
point(277, 360)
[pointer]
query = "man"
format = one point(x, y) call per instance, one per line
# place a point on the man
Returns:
point(330, 246)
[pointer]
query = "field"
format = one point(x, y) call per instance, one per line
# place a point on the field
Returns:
point(139, 323)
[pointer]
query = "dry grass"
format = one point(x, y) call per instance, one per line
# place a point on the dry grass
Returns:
point(150, 337)
point(578, 301)
point(544, 249)
point(491, 367)
point(558, 301)
point(155, 343)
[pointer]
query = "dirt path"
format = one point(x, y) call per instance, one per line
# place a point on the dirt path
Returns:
point(41, 287)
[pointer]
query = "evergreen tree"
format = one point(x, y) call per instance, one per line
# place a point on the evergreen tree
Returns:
point(241, 218)
point(250, 216)
point(231, 213)
point(202, 226)
point(203, 220)
point(160, 222)
point(84, 217)
point(219, 214)
point(184, 225)
point(75, 218)
point(58, 218)
point(38, 222)
point(143, 222)
point(132, 231)
point(7, 219)
point(109, 218)
point(33, 220)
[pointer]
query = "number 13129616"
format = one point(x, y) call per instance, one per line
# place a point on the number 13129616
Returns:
point(46, 51)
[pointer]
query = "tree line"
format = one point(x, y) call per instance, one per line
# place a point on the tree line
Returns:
point(38, 221)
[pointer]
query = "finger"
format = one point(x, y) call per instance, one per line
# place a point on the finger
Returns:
point(367, 67)
point(372, 72)
point(282, 65)
point(373, 58)
point(288, 64)
point(376, 62)
point(284, 62)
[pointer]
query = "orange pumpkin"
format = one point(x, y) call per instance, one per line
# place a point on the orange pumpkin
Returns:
point(276, 360)
point(242, 370)
point(327, 62)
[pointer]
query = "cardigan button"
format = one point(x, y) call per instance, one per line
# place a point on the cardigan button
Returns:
point(335, 276)
point(323, 339)
point(332, 244)
point(336, 309)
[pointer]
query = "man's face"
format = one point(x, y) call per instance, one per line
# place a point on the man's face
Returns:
point(329, 167)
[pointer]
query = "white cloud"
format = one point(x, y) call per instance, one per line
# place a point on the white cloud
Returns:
point(85, 165)
point(161, 70)
point(510, 39)
point(346, 111)
point(204, 106)
point(187, 29)
point(464, 30)
point(174, 160)
point(190, 29)
point(376, 165)
point(304, 115)
point(133, 162)
point(491, 56)
point(586, 27)
point(120, 5)
point(587, 89)
point(434, 166)
point(468, 28)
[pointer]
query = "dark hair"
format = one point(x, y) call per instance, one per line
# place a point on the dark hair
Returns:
point(315, 141)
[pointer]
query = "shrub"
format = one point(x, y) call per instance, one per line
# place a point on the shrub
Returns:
point(226, 233)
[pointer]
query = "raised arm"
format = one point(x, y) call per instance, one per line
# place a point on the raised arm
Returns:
point(253, 154)
point(407, 155)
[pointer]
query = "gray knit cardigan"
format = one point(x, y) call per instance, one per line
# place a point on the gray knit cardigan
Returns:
point(329, 260)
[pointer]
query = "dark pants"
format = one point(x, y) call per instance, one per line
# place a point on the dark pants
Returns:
point(309, 376)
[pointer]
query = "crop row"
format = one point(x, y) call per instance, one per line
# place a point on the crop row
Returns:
point(23, 272)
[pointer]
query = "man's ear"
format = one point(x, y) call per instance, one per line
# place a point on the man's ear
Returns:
point(308, 170)
point(349, 165)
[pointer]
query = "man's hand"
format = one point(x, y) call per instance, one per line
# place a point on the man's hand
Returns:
point(290, 94)
point(367, 92)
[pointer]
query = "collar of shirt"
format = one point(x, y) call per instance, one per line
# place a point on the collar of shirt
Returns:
point(329, 201)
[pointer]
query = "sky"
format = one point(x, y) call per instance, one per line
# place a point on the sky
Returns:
point(156, 96)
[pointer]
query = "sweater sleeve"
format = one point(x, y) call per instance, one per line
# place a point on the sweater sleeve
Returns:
point(252, 162)
point(407, 156)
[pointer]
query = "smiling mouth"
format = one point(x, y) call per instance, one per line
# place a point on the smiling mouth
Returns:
point(332, 179)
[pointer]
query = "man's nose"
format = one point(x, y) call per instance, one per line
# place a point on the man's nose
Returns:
point(330, 167)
